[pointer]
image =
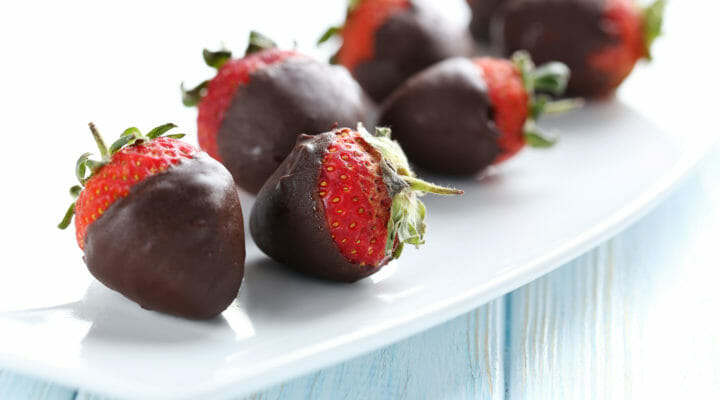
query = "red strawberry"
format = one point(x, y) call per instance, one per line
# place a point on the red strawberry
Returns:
point(160, 222)
point(600, 41)
point(616, 61)
point(364, 18)
point(460, 116)
point(356, 199)
point(341, 205)
point(510, 100)
point(250, 113)
point(221, 89)
point(386, 41)
point(128, 166)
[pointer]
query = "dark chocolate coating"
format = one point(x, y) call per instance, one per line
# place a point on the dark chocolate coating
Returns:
point(482, 13)
point(409, 41)
point(288, 222)
point(568, 31)
point(176, 243)
point(442, 117)
point(298, 95)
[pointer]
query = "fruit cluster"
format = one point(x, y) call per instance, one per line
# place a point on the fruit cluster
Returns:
point(599, 40)
point(160, 220)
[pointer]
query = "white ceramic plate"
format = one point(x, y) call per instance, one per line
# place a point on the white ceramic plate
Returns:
point(122, 66)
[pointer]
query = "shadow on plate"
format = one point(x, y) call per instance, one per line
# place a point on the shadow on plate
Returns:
point(272, 291)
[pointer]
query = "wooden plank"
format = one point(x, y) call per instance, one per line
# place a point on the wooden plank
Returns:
point(459, 359)
point(635, 318)
point(82, 395)
point(20, 387)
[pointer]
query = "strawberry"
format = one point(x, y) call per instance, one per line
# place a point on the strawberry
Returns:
point(510, 100)
point(386, 41)
point(601, 41)
point(218, 93)
point(160, 222)
point(462, 115)
point(250, 113)
point(341, 206)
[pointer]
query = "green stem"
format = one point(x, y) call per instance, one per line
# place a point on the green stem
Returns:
point(537, 139)
point(75, 191)
point(100, 142)
point(562, 106)
point(421, 185)
point(259, 42)
point(551, 77)
point(653, 22)
point(68, 217)
point(328, 34)
point(192, 97)
point(216, 59)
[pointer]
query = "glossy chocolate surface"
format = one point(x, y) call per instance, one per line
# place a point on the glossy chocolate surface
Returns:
point(175, 244)
point(482, 13)
point(298, 95)
point(406, 43)
point(442, 117)
point(559, 30)
point(288, 222)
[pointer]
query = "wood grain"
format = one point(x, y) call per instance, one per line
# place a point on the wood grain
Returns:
point(14, 386)
point(464, 354)
point(635, 318)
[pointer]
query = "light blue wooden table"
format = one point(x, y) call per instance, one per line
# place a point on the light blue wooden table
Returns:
point(636, 318)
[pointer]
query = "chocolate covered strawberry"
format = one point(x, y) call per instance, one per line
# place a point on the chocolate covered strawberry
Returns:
point(341, 206)
point(599, 40)
point(462, 115)
point(482, 12)
point(160, 222)
point(250, 113)
point(386, 41)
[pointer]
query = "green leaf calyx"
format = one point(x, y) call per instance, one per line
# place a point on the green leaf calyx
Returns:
point(652, 24)
point(192, 97)
point(329, 34)
point(335, 31)
point(86, 168)
point(217, 59)
point(549, 78)
point(407, 215)
point(259, 42)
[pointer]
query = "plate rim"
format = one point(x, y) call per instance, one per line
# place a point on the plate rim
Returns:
point(349, 346)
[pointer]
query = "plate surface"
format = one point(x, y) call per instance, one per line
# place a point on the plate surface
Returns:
point(616, 159)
